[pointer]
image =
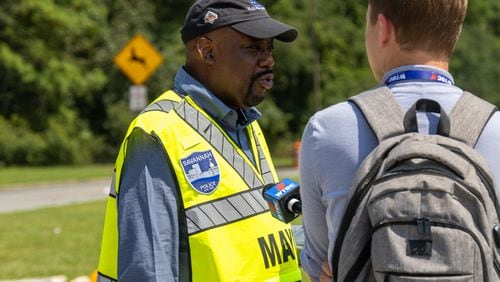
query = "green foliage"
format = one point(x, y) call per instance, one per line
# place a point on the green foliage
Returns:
point(19, 145)
point(69, 142)
point(474, 64)
point(64, 142)
point(43, 54)
point(62, 99)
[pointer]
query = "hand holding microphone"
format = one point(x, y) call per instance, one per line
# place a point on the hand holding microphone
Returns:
point(283, 199)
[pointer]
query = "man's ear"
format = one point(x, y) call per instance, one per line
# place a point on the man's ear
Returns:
point(204, 47)
point(386, 31)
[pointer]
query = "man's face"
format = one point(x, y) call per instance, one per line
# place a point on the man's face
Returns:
point(242, 69)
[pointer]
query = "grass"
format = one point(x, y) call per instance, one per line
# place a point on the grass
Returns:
point(27, 175)
point(53, 241)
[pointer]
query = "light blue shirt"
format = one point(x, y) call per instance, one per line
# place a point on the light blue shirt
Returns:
point(151, 244)
point(335, 142)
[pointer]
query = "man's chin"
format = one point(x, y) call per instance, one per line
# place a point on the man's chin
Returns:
point(254, 100)
point(255, 95)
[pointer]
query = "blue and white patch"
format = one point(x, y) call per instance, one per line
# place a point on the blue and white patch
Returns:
point(201, 171)
point(255, 6)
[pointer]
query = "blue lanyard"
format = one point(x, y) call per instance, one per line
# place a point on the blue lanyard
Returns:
point(418, 75)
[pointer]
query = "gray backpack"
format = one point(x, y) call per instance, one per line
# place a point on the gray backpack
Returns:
point(423, 207)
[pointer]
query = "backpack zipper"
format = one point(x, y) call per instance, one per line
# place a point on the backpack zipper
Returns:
point(435, 172)
point(417, 221)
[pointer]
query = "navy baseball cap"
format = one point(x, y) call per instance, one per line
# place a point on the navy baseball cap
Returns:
point(246, 16)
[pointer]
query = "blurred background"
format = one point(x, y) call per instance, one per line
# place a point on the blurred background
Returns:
point(64, 104)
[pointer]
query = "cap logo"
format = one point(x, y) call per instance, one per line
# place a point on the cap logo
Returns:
point(210, 17)
point(255, 6)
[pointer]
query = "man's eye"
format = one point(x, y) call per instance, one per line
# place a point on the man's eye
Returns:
point(254, 47)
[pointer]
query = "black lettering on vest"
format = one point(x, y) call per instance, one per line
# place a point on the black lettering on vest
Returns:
point(270, 252)
point(286, 244)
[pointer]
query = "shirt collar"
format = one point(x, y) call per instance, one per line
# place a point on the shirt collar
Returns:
point(417, 67)
point(185, 84)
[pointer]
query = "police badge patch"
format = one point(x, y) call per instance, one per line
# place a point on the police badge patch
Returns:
point(202, 171)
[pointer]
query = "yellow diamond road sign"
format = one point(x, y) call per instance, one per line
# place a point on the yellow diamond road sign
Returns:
point(138, 59)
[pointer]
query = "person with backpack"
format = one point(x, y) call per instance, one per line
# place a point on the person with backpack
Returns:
point(398, 182)
point(186, 198)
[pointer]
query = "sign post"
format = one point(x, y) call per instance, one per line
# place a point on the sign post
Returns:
point(137, 97)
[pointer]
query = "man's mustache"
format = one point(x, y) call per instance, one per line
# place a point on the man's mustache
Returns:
point(262, 73)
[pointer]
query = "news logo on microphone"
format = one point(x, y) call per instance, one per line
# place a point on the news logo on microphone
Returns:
point(283, 199)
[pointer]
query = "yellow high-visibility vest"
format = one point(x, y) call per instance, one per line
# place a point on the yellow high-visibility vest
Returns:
point(232, 235)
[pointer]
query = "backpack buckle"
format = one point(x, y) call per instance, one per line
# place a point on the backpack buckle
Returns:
point(424, 226)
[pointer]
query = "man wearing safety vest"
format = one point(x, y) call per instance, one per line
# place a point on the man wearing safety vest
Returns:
point(186, 203)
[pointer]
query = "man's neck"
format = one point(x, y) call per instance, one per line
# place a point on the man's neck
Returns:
point(417, 58)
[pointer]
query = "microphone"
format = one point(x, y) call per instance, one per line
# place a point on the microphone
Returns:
point(283, 199)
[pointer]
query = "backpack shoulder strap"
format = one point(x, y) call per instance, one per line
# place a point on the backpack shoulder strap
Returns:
point(382, 112)
point(469, 117)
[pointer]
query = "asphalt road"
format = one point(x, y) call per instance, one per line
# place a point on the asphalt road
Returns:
point(26, 197)
point(19, 198)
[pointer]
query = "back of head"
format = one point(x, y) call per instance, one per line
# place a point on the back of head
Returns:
point(431, 26)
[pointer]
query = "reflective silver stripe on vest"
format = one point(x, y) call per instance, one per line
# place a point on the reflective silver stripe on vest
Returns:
point(217, 139)
point(102, 278)
point(225, 210)
point(264, 165)
point(112, 189)
point(162, 105)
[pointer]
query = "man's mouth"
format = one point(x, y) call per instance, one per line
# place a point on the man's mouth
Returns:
point(266, 81)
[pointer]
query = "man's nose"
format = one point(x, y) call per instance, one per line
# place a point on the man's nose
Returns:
point(266, 60)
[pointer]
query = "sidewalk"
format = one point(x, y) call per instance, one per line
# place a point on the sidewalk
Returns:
point(20, 198)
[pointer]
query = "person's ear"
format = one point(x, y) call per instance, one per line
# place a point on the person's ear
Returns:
point(204, 47)
point(386, 30)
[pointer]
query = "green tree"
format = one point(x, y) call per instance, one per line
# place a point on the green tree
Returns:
point(44, 59)
point(474, 64)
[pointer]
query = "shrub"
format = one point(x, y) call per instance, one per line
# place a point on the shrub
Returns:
point(65, 141)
